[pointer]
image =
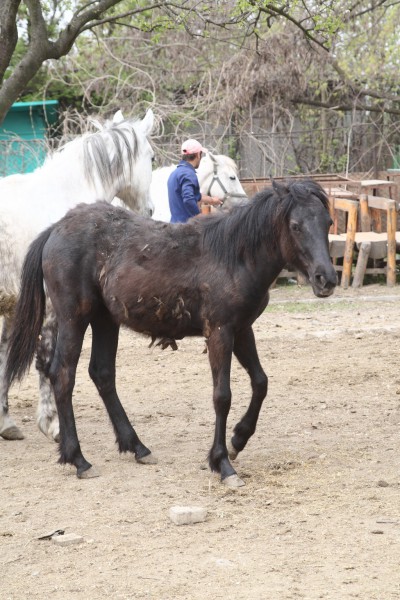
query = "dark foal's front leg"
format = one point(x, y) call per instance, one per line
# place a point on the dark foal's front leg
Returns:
point(246, 353)
point(102, 371)
point(220, 344)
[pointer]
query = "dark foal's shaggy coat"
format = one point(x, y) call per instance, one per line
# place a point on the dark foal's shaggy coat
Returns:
point(106, 267)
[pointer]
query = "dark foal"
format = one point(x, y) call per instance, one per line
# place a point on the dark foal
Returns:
point(106, 267)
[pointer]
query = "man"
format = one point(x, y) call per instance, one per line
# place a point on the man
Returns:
point(184, 193)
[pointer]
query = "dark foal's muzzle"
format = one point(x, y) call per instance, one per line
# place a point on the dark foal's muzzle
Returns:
point(323, 281)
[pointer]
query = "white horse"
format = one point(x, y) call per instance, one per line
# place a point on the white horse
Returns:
point(116, 161)
point(217, 175)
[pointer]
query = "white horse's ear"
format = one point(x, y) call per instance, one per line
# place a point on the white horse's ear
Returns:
point(118, 117)
point(148, 122)
point(96, 124)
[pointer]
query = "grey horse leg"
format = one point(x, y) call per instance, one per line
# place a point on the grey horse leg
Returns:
point(8, 429)
point(47, 416)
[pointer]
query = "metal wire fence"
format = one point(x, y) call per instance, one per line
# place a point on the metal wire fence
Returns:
point(257, 155)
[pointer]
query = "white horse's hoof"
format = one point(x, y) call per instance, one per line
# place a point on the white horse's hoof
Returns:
point(233, 481)
point(149, 459)
point(54, 431)
point(232, 452)
point(89, 473)
point(50, 427)
point(12, 433)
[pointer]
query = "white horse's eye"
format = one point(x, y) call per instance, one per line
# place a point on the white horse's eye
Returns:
point(232, 177)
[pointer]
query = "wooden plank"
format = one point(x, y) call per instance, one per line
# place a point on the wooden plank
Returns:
point(379, 243)
point(337, 245)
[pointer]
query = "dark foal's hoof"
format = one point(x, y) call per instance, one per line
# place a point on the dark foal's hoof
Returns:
point(88, 473)
point(149, 459)
point(232, 452)
point(233, 481)
point(12, 433)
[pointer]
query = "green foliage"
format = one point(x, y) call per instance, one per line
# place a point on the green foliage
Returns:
point(370, 50)
point(199, 70)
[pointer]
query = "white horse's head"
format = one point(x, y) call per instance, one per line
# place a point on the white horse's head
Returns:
point(118, 160)
point(217, 176)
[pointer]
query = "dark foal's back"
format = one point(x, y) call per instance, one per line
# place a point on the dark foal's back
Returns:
point(172, 280)
point(156, 278)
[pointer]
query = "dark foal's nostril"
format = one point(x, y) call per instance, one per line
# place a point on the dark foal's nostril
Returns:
point(324, 283)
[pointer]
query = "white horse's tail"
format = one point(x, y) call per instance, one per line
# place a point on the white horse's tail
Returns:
point(29, 312)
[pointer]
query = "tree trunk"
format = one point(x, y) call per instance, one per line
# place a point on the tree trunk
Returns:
point(8, 32)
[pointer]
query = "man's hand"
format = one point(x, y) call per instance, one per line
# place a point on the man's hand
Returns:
point(211, 200)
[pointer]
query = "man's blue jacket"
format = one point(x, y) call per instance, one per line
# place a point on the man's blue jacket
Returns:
point(183, 193)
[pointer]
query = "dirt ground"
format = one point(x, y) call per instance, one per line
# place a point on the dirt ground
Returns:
point(319, 516)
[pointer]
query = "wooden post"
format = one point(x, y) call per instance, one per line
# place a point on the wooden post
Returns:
point(391, 244)
point(363, 254)
point(348, 252)
point(364, 213)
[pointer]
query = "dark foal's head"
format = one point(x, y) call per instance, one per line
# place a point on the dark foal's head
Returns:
point(305, 244)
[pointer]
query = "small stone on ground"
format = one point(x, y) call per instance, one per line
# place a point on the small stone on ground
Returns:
point(186, 515)
point(67, 539)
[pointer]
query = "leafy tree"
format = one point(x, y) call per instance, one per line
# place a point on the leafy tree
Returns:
point(282, 65)
point(35, 31)
point(51, 27)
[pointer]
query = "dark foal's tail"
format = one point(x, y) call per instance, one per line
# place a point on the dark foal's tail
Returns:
point(29, 312)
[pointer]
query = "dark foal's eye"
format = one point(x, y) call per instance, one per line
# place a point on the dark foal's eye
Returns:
point(294, 226)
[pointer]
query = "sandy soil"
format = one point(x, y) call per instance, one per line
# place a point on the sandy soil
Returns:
point(319, 516)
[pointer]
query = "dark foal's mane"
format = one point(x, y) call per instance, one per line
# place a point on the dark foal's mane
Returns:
point(235, 238)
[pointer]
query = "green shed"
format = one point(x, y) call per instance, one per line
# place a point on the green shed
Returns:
point(23, 135)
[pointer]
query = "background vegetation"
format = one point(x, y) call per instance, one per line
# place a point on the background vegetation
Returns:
point(300, 86)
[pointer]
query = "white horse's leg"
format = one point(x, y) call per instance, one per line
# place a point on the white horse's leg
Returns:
point(8, 429)
point(47, 416)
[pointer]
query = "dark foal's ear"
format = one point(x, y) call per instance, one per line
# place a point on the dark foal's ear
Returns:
point(280, 188)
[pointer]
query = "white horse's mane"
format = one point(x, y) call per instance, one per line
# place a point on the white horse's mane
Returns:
point(92, 148)
point(227, 160)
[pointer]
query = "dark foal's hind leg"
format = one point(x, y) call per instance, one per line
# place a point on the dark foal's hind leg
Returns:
point(62, 376)
point(246, 353)
point(102, 371)
point(220, 345)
